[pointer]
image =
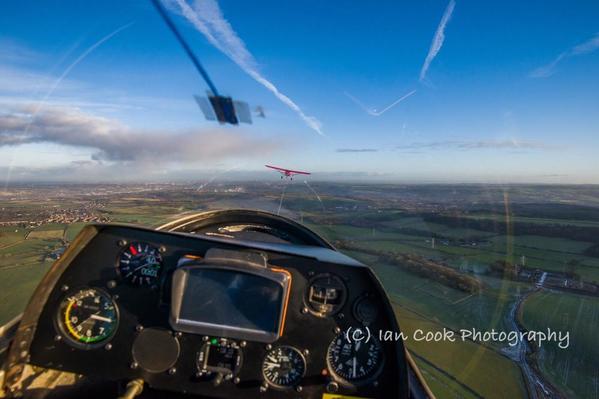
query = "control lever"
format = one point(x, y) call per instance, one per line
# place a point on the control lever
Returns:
point(218, 379)
point(134, 388)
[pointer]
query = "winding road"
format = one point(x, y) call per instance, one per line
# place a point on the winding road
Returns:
point(537, 386)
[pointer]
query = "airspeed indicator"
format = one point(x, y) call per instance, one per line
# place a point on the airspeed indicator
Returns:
point(283, 367)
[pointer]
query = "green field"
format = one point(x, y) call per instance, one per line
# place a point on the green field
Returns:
point(72, 230)
point(21, 268)
point(545, 253)
point(575, 369)
point(463, 363)
point(17, 285)
point(46, 234)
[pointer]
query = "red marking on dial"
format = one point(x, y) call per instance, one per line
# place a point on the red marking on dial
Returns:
point(132, 250)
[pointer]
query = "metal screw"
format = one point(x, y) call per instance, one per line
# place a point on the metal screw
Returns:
point(134, 365)
point(172, 371)
point(306, 352)
point(178, 334)
point(332, 387)
point(64, 288)
point(236, 380)
point(299, 388)
point(121, 243)
point(139, 328)
point(57, 338)
point(205, 338)
point(340, 315)
point(268, 347)
point(162, 249)
point(337, 330)
point(243, 344)
point(111, 284)
point(108, 346)
point(304, 310)
point(263, 387)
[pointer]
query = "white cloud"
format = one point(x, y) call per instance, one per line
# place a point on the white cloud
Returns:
point(116, 142)
point(208, 18)
point(438, 40)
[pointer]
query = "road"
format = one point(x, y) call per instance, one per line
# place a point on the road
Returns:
point(537, 386)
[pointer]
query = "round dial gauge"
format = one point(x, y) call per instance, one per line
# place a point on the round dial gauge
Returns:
point(88, 317)
point(140, 263)
point(325, 295)
point(355, 361)
point(366, 310)
point(284, 367)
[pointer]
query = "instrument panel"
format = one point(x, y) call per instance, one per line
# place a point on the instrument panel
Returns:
point(218, 318)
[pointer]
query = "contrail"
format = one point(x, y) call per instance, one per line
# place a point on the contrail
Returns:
point(393, 104)
point(60, 79)
point(282, 197)
point(316, 194)
point(82, 57)
point(438, 39)
point(359, 104)
point(204, 185)
point(208, 18)
point(587, 47)
point(374, 111)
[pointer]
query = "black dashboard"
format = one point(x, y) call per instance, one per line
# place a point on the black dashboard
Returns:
point(214, 317)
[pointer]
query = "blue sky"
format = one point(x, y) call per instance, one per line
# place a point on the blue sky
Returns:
point(511, 91)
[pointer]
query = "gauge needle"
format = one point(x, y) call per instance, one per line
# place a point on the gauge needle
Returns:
point(272, 365)
point(136, 269)
point(353, 373)
point(100, 318)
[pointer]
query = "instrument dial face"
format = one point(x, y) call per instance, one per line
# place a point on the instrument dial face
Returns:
point(140, 264)
point(326, 295)
point(366, 310)
point(284, 367)
point(88, 318)
point(355, 361)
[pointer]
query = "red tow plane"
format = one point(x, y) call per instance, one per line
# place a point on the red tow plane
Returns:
point(287, 172)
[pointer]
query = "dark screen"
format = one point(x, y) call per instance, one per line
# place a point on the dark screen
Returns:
point(222, 357)
point(232, 299)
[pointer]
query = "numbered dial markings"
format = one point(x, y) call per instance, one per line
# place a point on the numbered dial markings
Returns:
point(284, 367)
point(88, 318)
point(355, 361)
point(140, 264)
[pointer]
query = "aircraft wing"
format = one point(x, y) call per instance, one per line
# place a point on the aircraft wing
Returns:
point(298, 172)
point(283, 170)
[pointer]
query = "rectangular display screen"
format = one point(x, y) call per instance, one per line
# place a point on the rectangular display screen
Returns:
point(226, 302)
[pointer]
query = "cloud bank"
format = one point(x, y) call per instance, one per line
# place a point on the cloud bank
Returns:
point(438, 40)
point(581, 49)
point(343, 150)
point(115, 142)
point(208, 18)
point(511, 144)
